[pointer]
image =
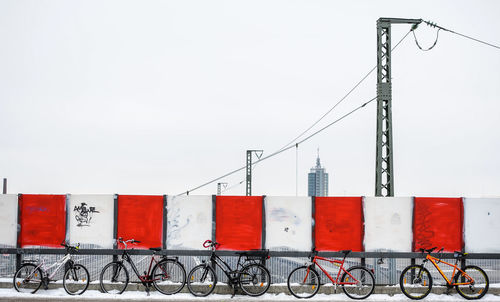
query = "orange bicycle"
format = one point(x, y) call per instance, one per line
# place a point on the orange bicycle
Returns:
point(471, 282)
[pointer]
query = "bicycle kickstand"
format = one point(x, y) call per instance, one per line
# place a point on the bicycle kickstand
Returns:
point(234, 291)
point(45, 282)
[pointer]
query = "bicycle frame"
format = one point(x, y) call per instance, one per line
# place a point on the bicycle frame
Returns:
point(435, 262)
point(59, 263)
point(146, 278)
point(214, 259)
point(340, 264)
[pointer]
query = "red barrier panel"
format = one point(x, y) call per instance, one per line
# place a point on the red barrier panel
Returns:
point(140, 218)
point(438, 222)
point(339, 223)
point(239, 222)
point(43, 220)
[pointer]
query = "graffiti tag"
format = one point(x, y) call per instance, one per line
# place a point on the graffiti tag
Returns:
point(84, 214)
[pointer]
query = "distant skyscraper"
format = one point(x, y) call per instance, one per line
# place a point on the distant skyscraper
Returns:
point(317, 180)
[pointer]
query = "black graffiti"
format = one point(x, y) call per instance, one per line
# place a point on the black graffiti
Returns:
point(84, 214)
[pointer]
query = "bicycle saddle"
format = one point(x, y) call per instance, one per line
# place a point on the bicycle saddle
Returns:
point(156, 249)
point(428, 250)
point(346, 252)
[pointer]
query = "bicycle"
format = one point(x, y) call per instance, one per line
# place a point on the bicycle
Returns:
point(253, 278)
point(31, 275)
point(416, 281)
point(357, 281)
point(168, 275)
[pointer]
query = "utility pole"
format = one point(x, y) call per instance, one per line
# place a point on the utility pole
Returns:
point(384, 174)
point(258, 153)
point(219, 187)
point(5, 186)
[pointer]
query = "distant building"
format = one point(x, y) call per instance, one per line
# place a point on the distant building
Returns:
point(317, 180)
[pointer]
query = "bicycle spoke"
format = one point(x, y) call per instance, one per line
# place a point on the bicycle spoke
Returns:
point(254, 280)
point(303, 282)
point(358, 282)
point(415, 282)
point(473, 283)
point(114, 278)
point(169, 277)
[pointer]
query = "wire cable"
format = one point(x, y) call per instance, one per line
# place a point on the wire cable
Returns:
point(285, 149)
point(462, 35)
point(332, 108)
point(344, 97)
point(289, 145)
point(426, 49)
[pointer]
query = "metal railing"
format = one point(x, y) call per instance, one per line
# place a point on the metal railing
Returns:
point(386, 265)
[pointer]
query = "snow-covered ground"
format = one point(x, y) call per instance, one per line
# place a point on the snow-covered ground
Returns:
point(93, 295)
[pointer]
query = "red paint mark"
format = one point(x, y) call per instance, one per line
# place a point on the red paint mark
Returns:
point(140, 218)
point(239, 222)
point(438, 222)
point(339, 223)
point(43, 220)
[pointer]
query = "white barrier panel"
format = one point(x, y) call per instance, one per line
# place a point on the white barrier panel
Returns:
point(482, 225)
point(288, 223)
point(8, 220)
point(189, 221)
point(388, 223)
point(90, 219)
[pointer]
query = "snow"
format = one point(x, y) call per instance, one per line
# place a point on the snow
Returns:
point(155, 296)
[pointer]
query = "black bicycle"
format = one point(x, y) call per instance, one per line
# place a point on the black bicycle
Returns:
point(168, 275)
point(252, 277)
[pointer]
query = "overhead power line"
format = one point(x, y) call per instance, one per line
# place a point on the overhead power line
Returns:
point(334, 106)
point(431, 24)
point(285, 149)
point(344, 97)
point(292, 142)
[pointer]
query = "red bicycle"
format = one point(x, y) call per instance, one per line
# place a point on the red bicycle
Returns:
point(357, 281)
point(168, 275)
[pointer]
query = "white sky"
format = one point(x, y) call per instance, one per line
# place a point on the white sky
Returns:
point(159, 97)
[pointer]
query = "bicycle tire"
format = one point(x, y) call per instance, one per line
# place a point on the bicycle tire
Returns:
point(420, 282)
point(79, 279)
point(254, 279)
point(201, 280)
point(114, 278)
point(476, 290)
point(169, 276)
point(364, 286)
point(28, 278)
point(303, 282)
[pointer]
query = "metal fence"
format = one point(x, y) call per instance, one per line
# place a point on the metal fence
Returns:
point(387, 266)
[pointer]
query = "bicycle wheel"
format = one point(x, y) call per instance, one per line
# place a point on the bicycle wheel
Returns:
point(479, 286)
point(303, 282)
point(28, 278)
point(201, 280)
point(169, 276)
point(114, 278)
point(415, 282)
point(358, 282)
point(76, 280)
point(255, 279)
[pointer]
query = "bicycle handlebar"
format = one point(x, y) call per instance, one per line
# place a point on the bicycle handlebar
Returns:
point(124, 242)
point(70, 247)
point(210, 244)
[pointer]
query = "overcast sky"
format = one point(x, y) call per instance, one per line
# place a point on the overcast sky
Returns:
point(158, 97)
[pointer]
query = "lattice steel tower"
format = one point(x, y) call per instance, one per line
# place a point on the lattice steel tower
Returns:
point(384, 172)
